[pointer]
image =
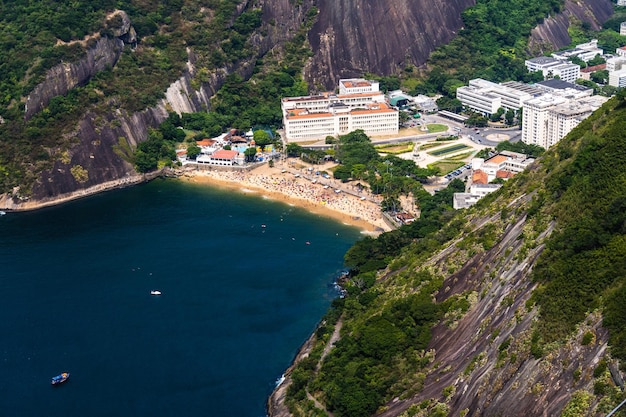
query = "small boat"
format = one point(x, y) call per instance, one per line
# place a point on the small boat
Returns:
point(155, 292)
point(61, 378)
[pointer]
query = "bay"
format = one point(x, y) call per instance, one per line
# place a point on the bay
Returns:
point(244, 281)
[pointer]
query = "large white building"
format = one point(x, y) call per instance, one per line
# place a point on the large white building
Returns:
point(616, 67)
point(548, 118)
point(552, 67)
point(487, 97)
point(359, 105)
point(584, 51)
point(618, 78)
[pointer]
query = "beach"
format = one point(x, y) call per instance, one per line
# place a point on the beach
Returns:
point(302, 188)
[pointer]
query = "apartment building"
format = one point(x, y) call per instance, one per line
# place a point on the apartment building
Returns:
point(618, 78)
point(359, 105)
point(548, 118)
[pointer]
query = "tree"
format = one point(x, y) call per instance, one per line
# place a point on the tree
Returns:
point(262, 139)
point(600, 77)
point(497, 115)
point(509, 116)
point(250, 154)
point(193, 150)
point(294, 150)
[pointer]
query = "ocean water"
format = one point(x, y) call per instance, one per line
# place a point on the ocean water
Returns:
point(244, 281)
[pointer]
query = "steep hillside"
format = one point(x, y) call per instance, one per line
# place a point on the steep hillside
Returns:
point(514, 308)
point(81, 84)
point(552, 34)
point(353, 37)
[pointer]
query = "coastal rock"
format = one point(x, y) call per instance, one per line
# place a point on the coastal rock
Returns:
point(552, 34)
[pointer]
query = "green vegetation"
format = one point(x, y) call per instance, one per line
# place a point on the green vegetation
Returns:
point(491, 45)
point(448, 149)
point(583, 265)
point(36, 36)
point(580, 186)
point(436, 128)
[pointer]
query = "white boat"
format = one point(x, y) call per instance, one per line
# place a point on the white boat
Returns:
point(155, 292)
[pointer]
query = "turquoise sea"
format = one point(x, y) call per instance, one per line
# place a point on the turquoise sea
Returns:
point(238, 299)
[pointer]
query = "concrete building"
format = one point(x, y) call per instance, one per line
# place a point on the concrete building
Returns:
point(585, 73)
point(487, 97)
point(220, 158)
point(622, 26)
point(618, 78)
point(552, 67)
point(358, 106)
point(584, 51)
point(425, 103)
point(358, 85)
point(563, 88)
point(548, 118)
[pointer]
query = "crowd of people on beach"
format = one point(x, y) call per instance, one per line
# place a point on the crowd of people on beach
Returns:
point(325, 194)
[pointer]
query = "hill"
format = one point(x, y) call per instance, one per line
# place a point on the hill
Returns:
point(81, 85)
point(513, 308)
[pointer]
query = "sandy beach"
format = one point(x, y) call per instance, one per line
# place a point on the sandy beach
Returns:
point(288, 185)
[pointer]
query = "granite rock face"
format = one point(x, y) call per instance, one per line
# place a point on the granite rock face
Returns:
point(553, 34)
point(63, 77)
point(351, 37)
point(96, 152)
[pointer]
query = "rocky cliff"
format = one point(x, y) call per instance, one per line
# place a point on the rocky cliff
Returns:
point(95, 161)
point(552, 34)
point(352, 37)
point(103, 54)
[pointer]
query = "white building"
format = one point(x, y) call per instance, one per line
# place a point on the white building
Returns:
point(487, 97)
point(220, 158)
point(563, 89)
point(584, 51)
point(358, 106)
point(552, 67)
point(357, 85)
point(622, 26)
point(476, 192)
point(618, 78)
point(548, 118)
point(425, 103)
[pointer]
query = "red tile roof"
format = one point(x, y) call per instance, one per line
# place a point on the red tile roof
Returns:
point(594, 68)
point(205, 142)
point(224, 154)
point(504, 174)
point(498, 159)
point(480, 177)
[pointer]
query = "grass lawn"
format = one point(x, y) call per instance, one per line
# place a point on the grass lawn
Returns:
point(446, 166)
point(448, 149)
point(395, 149)
point(436, 128)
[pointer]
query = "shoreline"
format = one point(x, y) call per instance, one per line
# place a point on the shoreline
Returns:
point(285, 187)
point(316, 195)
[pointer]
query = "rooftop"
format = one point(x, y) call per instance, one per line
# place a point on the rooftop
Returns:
point(543, 60)
point(224, 154)
point(498, 159)
point(556, 84)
